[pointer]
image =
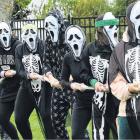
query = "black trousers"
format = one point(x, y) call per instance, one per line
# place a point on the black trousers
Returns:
point(24, 105)
point(103, 123)
point(134, 124)
point(45, 110)
point(80, 118)
point(6, 110)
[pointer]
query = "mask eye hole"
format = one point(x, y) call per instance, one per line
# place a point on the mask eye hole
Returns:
point(77, 37)
point(5, 31)
point(32, 31)
point(0, 31)
point(51, 24)
point(46, 24)
point(27, 32)
point(70, 38)
point(111, 26)
point(138, 17)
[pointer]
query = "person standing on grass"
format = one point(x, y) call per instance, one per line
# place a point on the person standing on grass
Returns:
point(9, 82)
point(124, 75)
point(29, 65)
point(82, 106)
point(55, 50)
point(96, 58)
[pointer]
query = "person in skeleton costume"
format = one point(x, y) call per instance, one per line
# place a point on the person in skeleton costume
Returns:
point(9, 82)
point(82, 106)
point(55, 51)
point(29, 60)
point(124, 75)
point(96, 58)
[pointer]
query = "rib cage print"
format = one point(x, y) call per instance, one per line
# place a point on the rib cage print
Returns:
point(132, 69)
point(99, 68)
point(32, 64)
point(132, 62)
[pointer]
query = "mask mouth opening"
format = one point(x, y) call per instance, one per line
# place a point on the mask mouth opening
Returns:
point(115, 35)
point(31, 39)
point(75, 46)
point(4, 38)
point(52, 34)
point(76, 49)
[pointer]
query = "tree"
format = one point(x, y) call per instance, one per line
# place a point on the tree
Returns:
point(90, 8)
point(10, 7)
point(22, 3)
point(120, 6)
point(78, 7)
point(6, 8)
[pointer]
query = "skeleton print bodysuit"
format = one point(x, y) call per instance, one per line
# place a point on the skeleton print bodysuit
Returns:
point(96, 58)
point(125, 59)
point(29, 91)
point(28, 62)
point(129, 66)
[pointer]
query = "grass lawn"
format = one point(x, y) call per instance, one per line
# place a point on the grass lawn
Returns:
point(37, 135)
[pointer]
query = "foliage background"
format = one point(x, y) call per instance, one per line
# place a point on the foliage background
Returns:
point(82, 8)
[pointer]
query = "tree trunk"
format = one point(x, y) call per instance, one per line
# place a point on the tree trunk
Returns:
point(6, 9)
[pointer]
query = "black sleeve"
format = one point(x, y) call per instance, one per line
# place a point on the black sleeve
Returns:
point(65, 74)
point(113, 67)
point(86, 74)
point(47, 61)
point(18, 61)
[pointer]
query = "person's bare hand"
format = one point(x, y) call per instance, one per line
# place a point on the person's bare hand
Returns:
point(33, 76)
point(84, 87)
point(106, 88)
point(99, 87)
point(55, 83)
point(134, 87)
point(75, 86)
point(10, 73)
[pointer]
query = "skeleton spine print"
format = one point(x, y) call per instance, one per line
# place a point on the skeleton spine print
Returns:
point(32, 63)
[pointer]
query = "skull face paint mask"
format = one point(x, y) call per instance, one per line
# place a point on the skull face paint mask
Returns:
point(75, 38)
point(5, 35)
point(52, 27)
point(29, 35)
point(111, 31)
point(135, 19)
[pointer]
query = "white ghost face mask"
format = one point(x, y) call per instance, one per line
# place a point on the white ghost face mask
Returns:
point(111, 31)
point(75, 38)
point(29, 35)
point(5, 35)
point(135, 18)
point(52, 27)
